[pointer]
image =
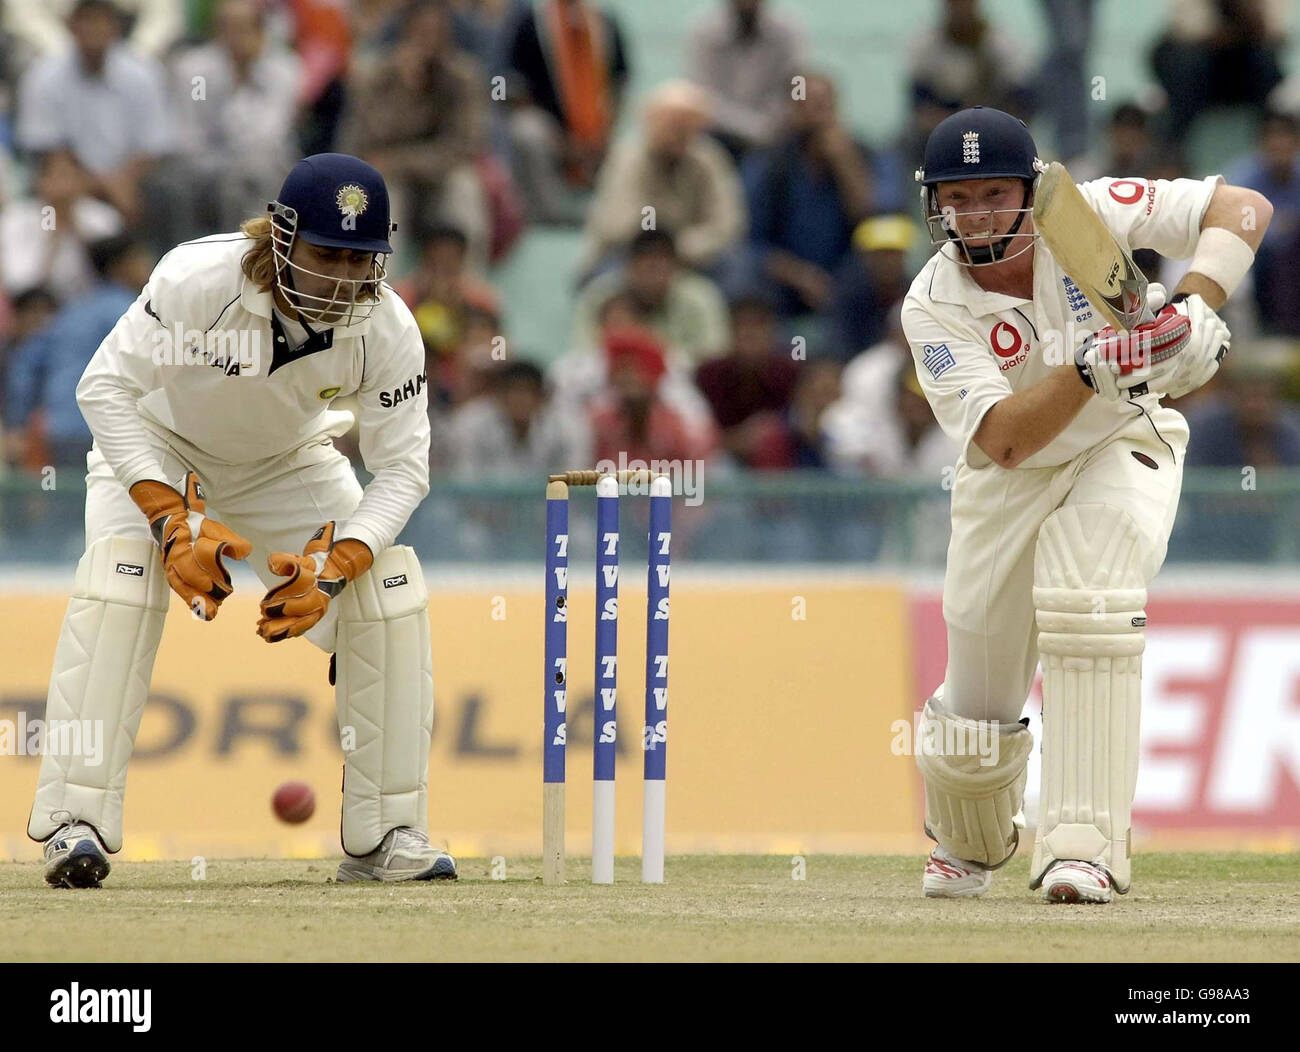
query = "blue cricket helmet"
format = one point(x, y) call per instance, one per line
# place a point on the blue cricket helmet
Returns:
point(979, 143)
point(340, 202)
point(331, 200)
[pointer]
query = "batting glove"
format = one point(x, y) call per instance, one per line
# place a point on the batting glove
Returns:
point(1123, 365)
point(1209, 343)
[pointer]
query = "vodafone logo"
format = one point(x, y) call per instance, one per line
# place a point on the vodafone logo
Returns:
point(1006, 340)
point(1127, 191)
point(1007, 344)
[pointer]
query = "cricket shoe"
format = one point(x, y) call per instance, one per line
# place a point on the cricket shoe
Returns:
point(404, 854)
point(948, 877)
point(1070, 880)
point(75, 857)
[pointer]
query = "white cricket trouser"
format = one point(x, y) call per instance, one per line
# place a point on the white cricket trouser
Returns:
point(277, 503)
point(988, 601)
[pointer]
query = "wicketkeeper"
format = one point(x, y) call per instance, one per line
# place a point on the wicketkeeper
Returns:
point(210, 408)
point(1064, 494)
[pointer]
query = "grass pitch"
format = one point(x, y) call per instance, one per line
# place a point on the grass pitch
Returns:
point(1183, 907)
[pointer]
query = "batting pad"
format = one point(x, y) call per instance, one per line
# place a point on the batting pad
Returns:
point(1090, 591)
point(973, 795)
point(102, 667)
point(384, 685)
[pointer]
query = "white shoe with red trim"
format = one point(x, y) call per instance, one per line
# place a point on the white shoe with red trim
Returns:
point(948, 877)
point(1070, 880)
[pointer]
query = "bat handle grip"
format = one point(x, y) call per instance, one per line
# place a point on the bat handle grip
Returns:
point(1145, 318)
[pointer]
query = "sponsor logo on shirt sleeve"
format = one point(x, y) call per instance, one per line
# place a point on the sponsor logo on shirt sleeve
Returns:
point(408, 390)
point(1126, 191)
point(937, 358)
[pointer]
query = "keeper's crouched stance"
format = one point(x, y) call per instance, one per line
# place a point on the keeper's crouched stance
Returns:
point(244, 423)
point(1064, 495)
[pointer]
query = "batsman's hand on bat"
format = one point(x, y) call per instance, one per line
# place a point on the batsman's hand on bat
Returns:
point(1207, 347)
point(1120, 365)
point(314, 578)
point(192, 544)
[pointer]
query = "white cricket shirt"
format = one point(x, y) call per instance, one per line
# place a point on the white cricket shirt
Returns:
point(199, 355)
point(973, 348)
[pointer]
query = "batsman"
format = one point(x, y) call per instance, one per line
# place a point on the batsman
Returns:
point(1066, 488)
point(209, 403)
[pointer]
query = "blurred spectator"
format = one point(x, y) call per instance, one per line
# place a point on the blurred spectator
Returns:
point(43, 238)
point(446, 302)
point(882, 424)
point(478, 28)
point(579, 376)
point(1241, 424)
point(804, 441)
point(32, 311)
point(631, 417)
point(747, 56)
point(376, 28)
point(568, 71)
point(236, 101)
point(1217, 52)
point(677, 170)
point(1275, 172)
point(685, 309)
point(108, 105)
point(1063, 87)
point(322, 38)
point(515, 431)
point(419, 117)
point(868, 381)
point(1127, 151)
point(806, 195)
point(43, 378)
point(155, 25)
point(749, 389)
point(965, 61)
point(1246, 425)
point(453, 382)
point(870, 282)
point(481, 27)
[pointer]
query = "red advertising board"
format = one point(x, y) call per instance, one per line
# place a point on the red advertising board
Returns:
point(1220, 747)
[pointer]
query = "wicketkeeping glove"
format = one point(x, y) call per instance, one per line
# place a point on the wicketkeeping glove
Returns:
point(192, 544)
point(315, 577)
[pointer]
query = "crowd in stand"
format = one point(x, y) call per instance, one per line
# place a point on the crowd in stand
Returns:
point(744, 253)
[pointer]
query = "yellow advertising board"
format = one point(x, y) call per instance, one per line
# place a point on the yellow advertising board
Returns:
point(782, 700)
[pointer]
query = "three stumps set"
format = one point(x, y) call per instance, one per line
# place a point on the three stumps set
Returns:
point(605, 734)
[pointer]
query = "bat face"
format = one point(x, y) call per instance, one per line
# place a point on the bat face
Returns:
point(1086, 250)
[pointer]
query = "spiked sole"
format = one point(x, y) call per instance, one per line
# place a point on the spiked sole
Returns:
point(84, 867)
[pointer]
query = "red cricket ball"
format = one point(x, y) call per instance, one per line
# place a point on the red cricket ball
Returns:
point(294, 802)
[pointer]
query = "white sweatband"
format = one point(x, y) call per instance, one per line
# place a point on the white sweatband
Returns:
point(1222, 257)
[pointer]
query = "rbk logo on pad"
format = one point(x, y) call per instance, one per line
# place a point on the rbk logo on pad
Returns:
point(130, 569)
point(395, 582)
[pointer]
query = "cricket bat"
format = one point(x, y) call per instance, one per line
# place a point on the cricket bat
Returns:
point(1087, 251)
